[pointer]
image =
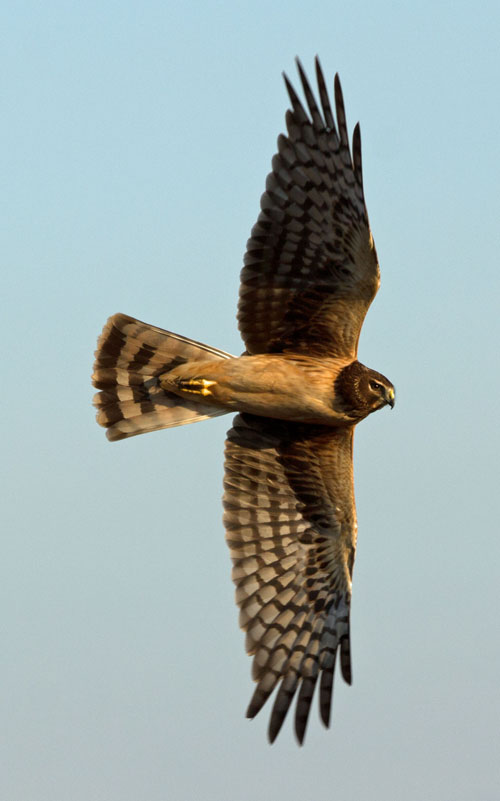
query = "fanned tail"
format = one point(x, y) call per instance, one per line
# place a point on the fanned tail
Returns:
point(129, 359)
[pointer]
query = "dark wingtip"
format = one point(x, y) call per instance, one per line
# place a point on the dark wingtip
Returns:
point(255, 705)
point(274, 728)
point(356, 152)
point(314, 111)
point(345, 660)
point(323, 95)
point(291, 91)
point(326, 695)
point(304, 703)
point(276, 722)
point(302, 74)
point(341, 116)
point(300, 735)
point(300, 727)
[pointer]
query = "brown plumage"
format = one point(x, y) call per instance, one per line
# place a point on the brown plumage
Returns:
point(310, 274)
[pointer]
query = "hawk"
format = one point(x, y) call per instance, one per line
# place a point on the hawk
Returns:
point(309, 276)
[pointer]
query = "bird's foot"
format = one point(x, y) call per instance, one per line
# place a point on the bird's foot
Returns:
point(198, 386)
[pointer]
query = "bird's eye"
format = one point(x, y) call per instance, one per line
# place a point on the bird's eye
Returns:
point(375, 385)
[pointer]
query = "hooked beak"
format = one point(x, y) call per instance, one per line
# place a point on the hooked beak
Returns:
point(390, 397)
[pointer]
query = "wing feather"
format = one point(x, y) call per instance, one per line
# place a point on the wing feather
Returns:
point(311, 269)
point(291, 529)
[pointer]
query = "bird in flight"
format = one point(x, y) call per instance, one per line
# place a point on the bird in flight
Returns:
point(310, 273)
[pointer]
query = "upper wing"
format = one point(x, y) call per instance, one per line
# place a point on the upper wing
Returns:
point(311, 269)
point(291, 527)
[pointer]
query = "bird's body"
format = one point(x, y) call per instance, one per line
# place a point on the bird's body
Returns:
point(310, 274)
point(282, 386)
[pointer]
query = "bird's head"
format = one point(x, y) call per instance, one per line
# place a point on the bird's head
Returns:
point(363, 390)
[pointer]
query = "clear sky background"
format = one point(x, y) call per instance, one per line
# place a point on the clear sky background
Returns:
point(136, 138)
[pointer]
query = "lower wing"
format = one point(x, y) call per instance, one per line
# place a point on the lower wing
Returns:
point(291, 528)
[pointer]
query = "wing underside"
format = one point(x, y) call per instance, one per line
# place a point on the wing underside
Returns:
point(311, 268)
point(290, 526)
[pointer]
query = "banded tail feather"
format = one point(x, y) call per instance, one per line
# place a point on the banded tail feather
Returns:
point(129, 360)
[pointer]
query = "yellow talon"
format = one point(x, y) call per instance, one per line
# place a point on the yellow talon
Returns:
point(205, 386)
point(198, 386)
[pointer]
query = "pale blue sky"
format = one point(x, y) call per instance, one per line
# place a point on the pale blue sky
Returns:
point(136, 141)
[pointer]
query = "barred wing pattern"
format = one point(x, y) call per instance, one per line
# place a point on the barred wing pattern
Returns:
point(291, 528)
point(311, 269)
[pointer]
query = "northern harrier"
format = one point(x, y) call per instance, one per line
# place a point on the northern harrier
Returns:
point(310, 274)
